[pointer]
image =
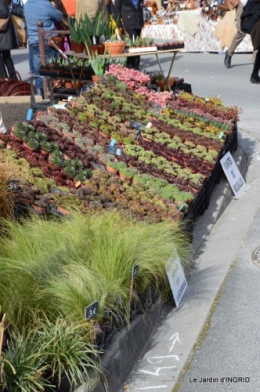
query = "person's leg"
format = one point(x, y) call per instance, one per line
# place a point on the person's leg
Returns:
point(36, 61)
point(30, 59)
point(9, 64)
point(239, 36)
point(50, 52)
point(254, 77)
point(3, 74)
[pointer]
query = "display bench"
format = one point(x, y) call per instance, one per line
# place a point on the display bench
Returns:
point(157, 53)
point(197, 31)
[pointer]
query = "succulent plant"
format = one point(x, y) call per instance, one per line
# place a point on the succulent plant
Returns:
point(45, 146)
point(57, 158)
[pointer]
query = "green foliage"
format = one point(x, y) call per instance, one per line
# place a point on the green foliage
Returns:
point(59, 268)
point(66, 350)
point(97, 62)
point(55, 348)
point(27, 361)
point(22, 129)
point(46, 146)
point(57, 158)
point(33, 143)
point(75, 28)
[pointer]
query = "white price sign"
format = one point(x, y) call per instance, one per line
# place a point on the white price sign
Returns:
point(176, 278)
point(233, 174)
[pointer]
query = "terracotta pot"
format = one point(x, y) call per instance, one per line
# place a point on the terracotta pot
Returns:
point(51, 165)
point(29, 148)
point(111, 169)
point(77, 84)
point(96, 78)
point(101, 48)
point(162, 84)
point(104, 135)
point(76, 47)
point(39, 210)
point(123, 177)
point(57, 83)
point(68, 84)
point(62, 211)
point(17, 139)
point(92, 49)
point(116, 47)
point(44, 153)
point(38, 115)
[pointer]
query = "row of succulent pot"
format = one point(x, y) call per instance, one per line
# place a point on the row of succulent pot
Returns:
point(179, 147)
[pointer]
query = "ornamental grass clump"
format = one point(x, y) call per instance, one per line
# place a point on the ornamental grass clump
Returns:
point(60, 267)
point(42, 355)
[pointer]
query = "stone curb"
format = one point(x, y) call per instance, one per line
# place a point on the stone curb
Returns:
point(174, 341)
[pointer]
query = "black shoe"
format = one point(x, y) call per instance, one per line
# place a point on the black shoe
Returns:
point(255, 79)
point(227, 60)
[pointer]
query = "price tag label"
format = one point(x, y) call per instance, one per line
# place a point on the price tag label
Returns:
point(135, 271)
point(233, 174)
point(176, 278)
point(91, 310)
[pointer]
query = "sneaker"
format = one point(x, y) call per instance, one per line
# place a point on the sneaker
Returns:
point(255, 79)
point(227, 60)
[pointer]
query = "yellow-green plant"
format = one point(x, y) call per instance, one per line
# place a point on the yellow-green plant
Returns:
point(60, 267)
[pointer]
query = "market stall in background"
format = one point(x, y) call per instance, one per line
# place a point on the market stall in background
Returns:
point(203, 26)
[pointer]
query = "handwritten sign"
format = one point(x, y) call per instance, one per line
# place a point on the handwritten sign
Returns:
point(176, 278)
point(91, 310)
point(233, 174)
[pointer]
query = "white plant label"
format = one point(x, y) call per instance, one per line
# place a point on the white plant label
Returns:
point(176, 278)
point(233, 174)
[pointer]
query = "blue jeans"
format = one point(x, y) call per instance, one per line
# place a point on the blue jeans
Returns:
point(36, 60)
point(31, 59)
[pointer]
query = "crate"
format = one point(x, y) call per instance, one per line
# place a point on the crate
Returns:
point(201, 202)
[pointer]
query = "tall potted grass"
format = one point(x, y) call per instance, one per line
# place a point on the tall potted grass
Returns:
point(97, 63)
point(76, 42)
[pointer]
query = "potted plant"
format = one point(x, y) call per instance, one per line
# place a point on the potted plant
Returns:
point(160, 81)
point(77, 42)
point(97, 63)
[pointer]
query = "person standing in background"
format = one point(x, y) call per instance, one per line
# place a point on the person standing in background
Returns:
point(255, 38)
point(8, 41)
point(35, 10)
point(239, 36)
point(128, 14)
point(89, 7)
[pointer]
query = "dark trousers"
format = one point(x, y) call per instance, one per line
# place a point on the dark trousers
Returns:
point(7, 69)
point(256, 68)
point(133, 61)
